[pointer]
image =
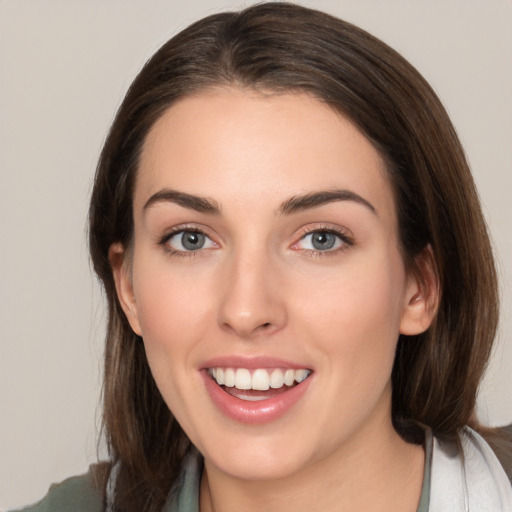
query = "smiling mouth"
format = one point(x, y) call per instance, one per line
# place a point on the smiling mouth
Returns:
point(258, 384)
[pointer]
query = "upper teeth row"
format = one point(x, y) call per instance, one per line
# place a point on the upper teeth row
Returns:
point(260, 379)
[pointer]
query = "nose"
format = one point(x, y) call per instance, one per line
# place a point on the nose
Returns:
point(251, 294)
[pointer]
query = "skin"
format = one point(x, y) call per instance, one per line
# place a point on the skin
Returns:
point(259, 287)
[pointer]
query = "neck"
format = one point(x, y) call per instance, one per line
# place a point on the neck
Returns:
point(383, 473)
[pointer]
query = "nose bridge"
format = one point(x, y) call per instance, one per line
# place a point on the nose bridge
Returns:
point(250, 299)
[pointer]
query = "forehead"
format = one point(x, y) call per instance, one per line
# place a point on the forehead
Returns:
point(233, 144)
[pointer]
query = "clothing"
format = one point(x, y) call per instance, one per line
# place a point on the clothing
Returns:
point(474, 482)
point(76, 494)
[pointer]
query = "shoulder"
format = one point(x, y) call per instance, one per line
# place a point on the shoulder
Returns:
point(77, 494)
point(468, 476)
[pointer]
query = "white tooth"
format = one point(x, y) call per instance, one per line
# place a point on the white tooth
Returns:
point(219, 376)
point(213, 372)
point(260, 380)
point(276, 379)
point(300, 375)
point(253, 398)
point(243, 379)
point(289, 377)
point(229, 377)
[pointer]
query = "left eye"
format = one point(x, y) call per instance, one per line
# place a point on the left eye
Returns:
point(320, 241)
point(189, 241)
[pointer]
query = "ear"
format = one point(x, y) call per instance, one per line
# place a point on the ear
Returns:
point(119, 261)
point(422, 295)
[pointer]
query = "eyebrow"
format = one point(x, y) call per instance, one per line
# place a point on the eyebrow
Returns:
point(293, 205)
point(320, 198)
point(192, 202)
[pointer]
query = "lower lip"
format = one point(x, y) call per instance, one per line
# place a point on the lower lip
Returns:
point(262, 411)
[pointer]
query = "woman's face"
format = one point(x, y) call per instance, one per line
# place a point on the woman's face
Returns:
point(266, 252)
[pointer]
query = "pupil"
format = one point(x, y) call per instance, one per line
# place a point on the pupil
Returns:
point(323, 240)
point(192, 240)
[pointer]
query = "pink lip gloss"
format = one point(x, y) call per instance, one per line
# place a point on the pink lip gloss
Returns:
point(254, 412)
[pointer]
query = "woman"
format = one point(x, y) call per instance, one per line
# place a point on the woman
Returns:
point(301, 289)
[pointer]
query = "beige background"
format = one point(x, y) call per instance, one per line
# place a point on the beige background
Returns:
point(64, 66)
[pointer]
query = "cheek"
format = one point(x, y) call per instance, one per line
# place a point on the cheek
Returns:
point(355, 314)
point(360, 294)
point(168, 310)
point(170, 303)
point(172, 317)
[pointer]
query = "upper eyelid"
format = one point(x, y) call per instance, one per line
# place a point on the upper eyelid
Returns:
point(169, 233)
point(331, 228)
point(343, 232)
point(164, 241)
point(345, 235)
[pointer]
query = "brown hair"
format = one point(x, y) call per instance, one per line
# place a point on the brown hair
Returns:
point(281, 47)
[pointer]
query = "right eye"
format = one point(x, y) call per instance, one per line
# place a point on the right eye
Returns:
point(189, 241)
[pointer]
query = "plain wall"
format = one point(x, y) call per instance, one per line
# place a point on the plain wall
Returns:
point(64, 67)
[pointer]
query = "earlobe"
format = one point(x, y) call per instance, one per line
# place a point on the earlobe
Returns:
point(422, 295)
point(119, 263)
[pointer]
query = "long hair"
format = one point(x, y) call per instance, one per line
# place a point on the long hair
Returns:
point(282, 47)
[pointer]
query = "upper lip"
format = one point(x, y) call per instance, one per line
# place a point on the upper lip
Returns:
point(252, 362)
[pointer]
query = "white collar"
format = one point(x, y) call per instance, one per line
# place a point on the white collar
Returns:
point(473, 482)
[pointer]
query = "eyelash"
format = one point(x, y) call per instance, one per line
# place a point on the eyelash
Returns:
point(164, 241)
point(346, 241)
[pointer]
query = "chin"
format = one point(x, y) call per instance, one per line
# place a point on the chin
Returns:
point(256, 461)
point(260, 470)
